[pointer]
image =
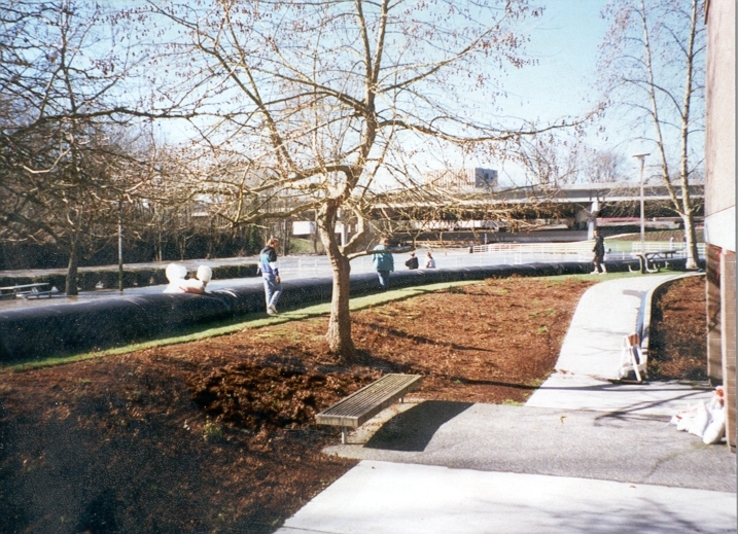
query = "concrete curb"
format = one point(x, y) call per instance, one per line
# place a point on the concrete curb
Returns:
point(643, 323)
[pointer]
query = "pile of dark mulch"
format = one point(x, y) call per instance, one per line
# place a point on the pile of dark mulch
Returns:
point(678, 334)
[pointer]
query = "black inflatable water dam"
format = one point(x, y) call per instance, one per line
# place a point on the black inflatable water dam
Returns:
point(37, 333)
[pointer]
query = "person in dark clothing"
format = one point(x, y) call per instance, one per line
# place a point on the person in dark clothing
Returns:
point(412, 263)
point(599, 253)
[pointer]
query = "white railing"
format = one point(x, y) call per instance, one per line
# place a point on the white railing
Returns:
point(580, 247)
point(482, 255)
point(577, 247)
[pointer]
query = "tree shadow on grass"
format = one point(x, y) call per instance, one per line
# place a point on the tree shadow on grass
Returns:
point(413, 429)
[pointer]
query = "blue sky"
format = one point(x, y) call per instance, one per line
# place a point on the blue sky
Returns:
point(565, 41)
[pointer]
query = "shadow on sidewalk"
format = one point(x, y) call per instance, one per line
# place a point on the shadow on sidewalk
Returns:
point(412, 430)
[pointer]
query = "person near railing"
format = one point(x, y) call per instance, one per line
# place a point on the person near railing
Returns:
point(383, 262)
point(430, 262)
point(599, 253)
point(270, 274)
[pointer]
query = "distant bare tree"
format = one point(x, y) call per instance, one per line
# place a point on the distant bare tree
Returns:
point(62, 158)
point(604, 166)
point(550, 159)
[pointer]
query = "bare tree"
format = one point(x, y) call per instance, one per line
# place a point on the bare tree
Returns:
point(604, 166)
point(61, 149)
point(322, 103)
point(551, 159)
point(654, 65)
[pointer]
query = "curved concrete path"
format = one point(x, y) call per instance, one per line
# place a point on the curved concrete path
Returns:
point(583, 455)
point(591, 352)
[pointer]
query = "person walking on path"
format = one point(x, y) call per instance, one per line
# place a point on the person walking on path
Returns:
point(270, 274)
point(383, 262)
point(430, 262)
point(599, 253)
point(412, 262)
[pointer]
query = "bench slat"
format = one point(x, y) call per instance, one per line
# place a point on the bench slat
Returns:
point(373, 393)
point(359, 407)
point(356, 403)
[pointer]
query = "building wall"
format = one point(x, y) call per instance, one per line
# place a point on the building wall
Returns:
point(727, 290)
point(720, 200)
point(720, 125)
point(485, 178)
point(463, 180)
point(714, 315)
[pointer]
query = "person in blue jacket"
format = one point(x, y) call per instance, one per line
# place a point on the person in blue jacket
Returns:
point(383, 262)
point(270, 274)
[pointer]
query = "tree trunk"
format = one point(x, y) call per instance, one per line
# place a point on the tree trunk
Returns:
point(339, 324)
point(316, 235)
point(690, 241)
point(687, 208)
point(70, 287)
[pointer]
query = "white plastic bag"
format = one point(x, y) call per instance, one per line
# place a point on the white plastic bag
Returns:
point(716, 429)
point(706, 420)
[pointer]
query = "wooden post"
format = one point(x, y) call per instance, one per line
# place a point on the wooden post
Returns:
point(727, 327)
point(712, 294)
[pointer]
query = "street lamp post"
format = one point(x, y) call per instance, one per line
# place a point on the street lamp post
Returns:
point(642, 158)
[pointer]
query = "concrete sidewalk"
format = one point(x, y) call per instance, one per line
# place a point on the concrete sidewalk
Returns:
point(590, 355)
point(583, 455)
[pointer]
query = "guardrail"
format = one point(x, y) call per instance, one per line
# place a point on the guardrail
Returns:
point(577, 247)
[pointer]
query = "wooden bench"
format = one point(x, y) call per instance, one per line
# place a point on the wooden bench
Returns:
point(359, 407)
point(36, 292)
point(10, 292)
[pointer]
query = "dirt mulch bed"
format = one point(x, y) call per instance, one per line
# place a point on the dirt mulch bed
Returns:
point(678, 335)
point(219, 435)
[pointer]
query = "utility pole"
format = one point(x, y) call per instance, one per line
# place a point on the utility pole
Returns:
point(642, 158)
